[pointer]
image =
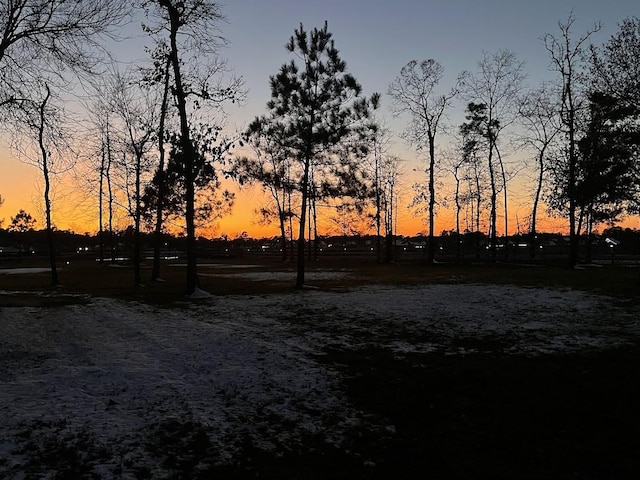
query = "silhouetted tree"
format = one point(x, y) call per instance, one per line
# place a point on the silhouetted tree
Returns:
point(615, 74)
point(137, 110)
point(20, 224)
point(607, 162)
point(414, 93)
point(192, 27)
point(161, 74)
point(43, 144)
point(540, 117)
point(567, 56)
point(41, 38)
point(210, 203)
point(319, 106)
point(271, 167)
point(479, 134)
point(390, 176)
point(496, 85)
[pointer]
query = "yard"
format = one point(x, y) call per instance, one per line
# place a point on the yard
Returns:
point(376, 372)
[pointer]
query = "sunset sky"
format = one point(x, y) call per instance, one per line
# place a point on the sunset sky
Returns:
point(376, 38)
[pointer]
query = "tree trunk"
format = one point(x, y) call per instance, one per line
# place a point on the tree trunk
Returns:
point(47, 185)
point(458, 210)
point(432, 200)
point(157, 233)
point(289, 206)
point(283, 237)
point(533, 243)
point(378, 206)
point(493, 235)
point(136, 233)
point(303, 211)
point(100, 208)
point(188, 151)
point(571, 188)
point(110, 191)
point(506, 210)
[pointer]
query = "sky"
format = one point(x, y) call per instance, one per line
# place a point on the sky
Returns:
point(376, 38)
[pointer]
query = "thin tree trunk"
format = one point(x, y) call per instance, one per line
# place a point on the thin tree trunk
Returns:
point(303, 211)
point(477, 219)
point(100, 207)
point(432, 200)
point(378, 206)
point(506, 210)
point(493, 236)
point(283, 237)
point(291, 249)
point(458, 209)
point(316, 243)
point(47, 185)
point(188, 150)
point(533, 244)
point(137, 214)
point(157, 234)
point(110, 190)
point(573, 234)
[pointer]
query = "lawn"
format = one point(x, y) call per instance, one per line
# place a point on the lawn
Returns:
point(378, 371)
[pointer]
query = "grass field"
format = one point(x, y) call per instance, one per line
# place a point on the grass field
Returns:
point(377, 372)
point(219, 277)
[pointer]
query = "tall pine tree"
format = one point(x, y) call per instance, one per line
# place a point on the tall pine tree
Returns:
point(319, 108)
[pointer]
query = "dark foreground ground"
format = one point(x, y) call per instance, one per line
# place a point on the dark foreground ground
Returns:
point(454, 417)
point(449, 416)
point(466, 417)
point(501, 417)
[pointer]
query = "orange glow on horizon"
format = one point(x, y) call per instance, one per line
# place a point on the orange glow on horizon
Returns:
point(20, 189)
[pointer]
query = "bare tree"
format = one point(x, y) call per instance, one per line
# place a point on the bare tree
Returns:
point(454, 163)
point(194, 43)
point(540, 118)
point(496, 85)
point(379, 137)
point(414, 93)
point(45, 146)
point(271, 167)
point(137, 110)
point(390, 176)
point(160, 134)
point(567, 59)
point(41, 38)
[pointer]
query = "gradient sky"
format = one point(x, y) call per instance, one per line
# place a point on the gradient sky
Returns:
point(376, 38)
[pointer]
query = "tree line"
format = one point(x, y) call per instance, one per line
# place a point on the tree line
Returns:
point(156, 148)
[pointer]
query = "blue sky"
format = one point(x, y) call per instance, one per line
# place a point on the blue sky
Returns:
point(378, 37)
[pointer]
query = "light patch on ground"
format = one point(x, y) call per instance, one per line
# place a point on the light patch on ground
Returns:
point(23, 271)
point(245, 368)
point(279, 276)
